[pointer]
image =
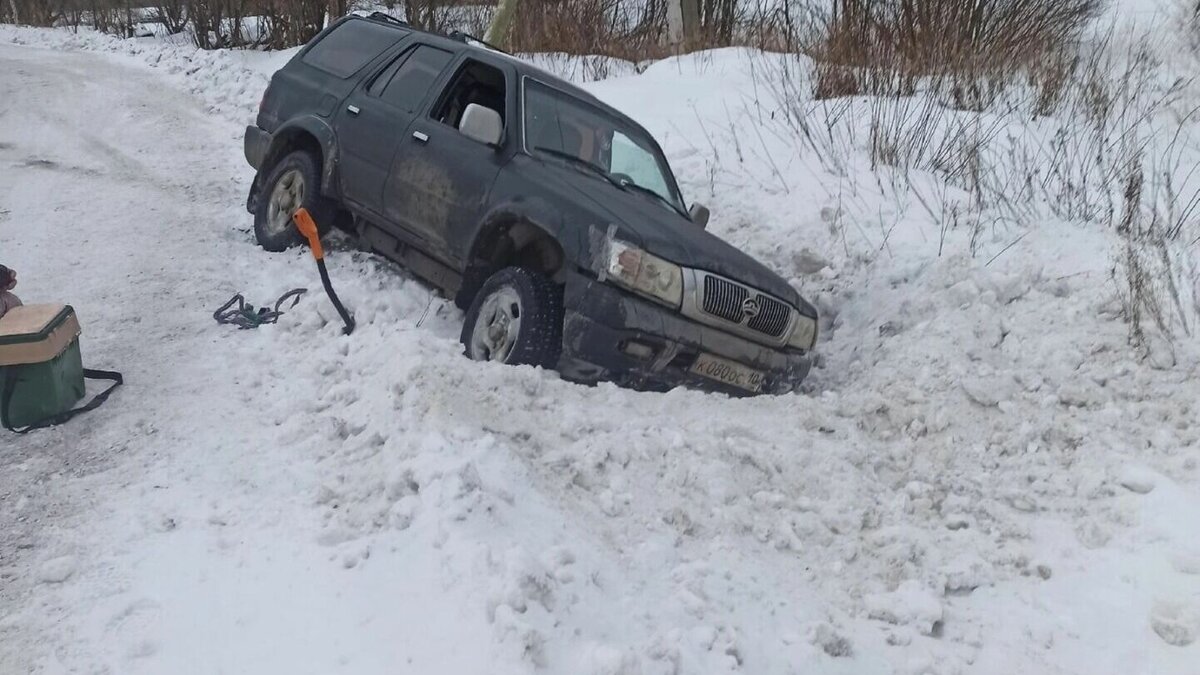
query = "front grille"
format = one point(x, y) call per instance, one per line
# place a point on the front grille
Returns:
point(725, 299)
point(773, 317)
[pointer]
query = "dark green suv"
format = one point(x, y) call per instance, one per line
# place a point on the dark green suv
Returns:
point(553, 219)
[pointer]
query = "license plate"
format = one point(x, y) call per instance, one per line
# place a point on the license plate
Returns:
point(728, 372)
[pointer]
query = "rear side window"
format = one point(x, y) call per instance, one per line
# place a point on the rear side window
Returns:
point(351, 46)
point(406, 82)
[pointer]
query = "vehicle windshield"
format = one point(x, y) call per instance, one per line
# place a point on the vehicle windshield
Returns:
point(560, 125)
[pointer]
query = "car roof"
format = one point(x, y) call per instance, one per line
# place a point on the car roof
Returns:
point(461, 42)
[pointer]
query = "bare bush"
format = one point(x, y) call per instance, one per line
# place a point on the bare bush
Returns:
point(289, 23)
point(621, 28)
point(869, 45)
point(33, 12)
point(1190, 16)
point(171, 15)
point(217, 24)
point(1157, 277)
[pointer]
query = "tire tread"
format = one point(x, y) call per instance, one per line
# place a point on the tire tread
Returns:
point(540, 340)
point(322, 209)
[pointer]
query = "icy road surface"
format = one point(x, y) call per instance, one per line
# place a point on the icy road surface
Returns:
point(982, 479)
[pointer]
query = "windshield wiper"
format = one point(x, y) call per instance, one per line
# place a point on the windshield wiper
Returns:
point(580, 162)
point(645, 190)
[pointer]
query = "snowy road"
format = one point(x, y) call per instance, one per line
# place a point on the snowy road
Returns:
point(989, 486)
point(111, 195)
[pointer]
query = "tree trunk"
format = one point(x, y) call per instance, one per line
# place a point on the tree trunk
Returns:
point(690, 13)
point(498, 32)
point(674, 22)
point(12, 4)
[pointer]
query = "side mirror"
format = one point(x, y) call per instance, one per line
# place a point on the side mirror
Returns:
point(482, 124)
point(699, 215)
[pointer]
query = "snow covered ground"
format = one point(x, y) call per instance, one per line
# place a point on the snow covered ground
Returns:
point(981, 477)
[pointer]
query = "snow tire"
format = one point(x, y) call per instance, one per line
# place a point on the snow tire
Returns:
point(272, 226)
point(538, 304)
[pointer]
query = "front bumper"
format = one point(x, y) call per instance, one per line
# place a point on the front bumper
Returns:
point(601, 321)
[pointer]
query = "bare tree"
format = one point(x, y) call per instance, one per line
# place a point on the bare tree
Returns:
point(171, 14)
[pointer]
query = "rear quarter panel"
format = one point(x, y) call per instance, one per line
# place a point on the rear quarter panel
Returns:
point(301, 96)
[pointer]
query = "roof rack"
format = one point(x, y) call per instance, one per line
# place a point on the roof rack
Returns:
point(387, 18)
point(457, 35)
point(464, 37)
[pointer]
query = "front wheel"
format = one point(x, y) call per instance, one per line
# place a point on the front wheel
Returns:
point(293, 183)
point(516, 318)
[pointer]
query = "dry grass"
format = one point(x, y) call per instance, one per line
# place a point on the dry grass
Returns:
point(884, 47)
point(633, 31)
point(1004, 140)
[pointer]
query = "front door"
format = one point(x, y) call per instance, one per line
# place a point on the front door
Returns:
point(440, 178)
point(374, 118)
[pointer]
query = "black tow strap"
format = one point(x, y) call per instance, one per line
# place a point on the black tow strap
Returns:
point(246, 316)
point(10, 384)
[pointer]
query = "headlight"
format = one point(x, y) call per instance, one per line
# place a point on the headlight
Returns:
point(649, 275)
point(804, 333)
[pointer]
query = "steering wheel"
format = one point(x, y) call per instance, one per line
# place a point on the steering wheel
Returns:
point(622, 178)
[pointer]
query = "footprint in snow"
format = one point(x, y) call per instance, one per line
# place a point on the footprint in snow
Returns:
point(1186, 562)
point(57, 570)
point(1177, 624)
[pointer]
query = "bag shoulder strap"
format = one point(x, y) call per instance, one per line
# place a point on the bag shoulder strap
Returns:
point(63, 417)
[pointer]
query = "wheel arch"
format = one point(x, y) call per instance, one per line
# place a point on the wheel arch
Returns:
point(311, 135)
point(510, 238)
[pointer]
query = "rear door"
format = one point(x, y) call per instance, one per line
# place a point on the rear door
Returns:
point(374, 118)
point(440, 178)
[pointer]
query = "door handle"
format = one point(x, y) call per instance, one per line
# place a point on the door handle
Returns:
point(352, 109)
point(421, 137)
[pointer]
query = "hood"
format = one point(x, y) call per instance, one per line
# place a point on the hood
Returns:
point(669, 235)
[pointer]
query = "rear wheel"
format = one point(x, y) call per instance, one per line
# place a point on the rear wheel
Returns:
point(293, 183)
point(516, 318)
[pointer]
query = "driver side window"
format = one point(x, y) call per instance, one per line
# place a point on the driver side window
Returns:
point(476, 83)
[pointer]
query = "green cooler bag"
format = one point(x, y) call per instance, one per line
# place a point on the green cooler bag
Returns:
point(41, 372)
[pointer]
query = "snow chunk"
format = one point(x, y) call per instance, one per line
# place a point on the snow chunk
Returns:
point(962, 293)
point(1011, 287)
point(989, 391)
point(600, 659)
point(57, 570)
point(1136, 479)
point(966, 573)
point(910, 604)
point(833, 643)
point(808, 261)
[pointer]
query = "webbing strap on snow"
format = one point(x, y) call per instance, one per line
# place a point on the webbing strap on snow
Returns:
point(246, 316)
point(10, 384)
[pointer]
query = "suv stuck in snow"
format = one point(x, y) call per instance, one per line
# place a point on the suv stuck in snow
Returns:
point(553, 219)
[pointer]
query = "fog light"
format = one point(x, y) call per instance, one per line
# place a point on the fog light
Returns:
point(638, 350)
